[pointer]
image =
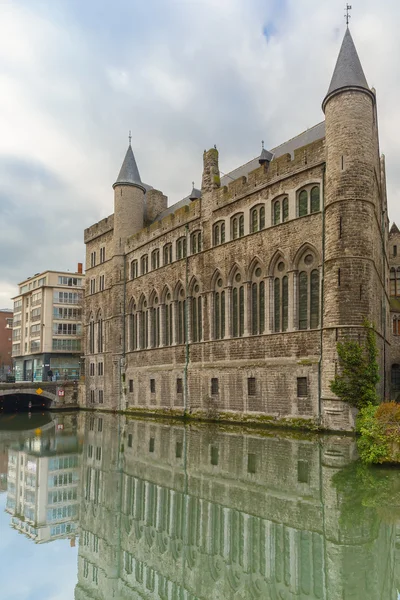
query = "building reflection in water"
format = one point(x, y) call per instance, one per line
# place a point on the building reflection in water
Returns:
point(171, 512)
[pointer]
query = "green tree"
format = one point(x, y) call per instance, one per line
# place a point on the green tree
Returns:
point(358, 370)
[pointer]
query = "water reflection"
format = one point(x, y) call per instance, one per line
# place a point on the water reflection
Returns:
point(168, 512)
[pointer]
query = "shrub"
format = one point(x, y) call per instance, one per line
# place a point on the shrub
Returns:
point(359, 371)
point(373, 444)
point(388, 413)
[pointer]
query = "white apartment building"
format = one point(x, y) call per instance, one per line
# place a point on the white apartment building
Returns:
point(47, 326)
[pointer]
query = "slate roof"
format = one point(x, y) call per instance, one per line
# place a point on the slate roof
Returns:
point(394, 229)
point(303, 139)
point(129, 172)
point(348, 70)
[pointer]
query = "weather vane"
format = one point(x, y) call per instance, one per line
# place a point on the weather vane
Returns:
point(130, 137)
point(347, 16)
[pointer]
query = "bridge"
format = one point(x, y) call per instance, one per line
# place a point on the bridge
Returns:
point(31, 395)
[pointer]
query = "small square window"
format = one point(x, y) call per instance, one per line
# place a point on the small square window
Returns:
point(303, 471)
point(130, 439)
point(251, 463)
point(214, 455)
point(251, 386)
point(151, 444)
point(178, 449)
point(131, 385)
point(214, 386)
point(179, 386)
point(153, 386)
point(302, 387)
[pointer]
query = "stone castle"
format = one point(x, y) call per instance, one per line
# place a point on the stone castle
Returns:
point(232, 301)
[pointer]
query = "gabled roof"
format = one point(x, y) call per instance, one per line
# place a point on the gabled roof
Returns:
point(394, 229)
point(348, 71)
point(129, 173)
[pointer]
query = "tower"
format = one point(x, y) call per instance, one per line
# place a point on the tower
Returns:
point(128, 202)
point(354, 277)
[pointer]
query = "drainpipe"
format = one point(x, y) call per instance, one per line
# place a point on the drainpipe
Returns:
point(185, 371)
point(322, 295)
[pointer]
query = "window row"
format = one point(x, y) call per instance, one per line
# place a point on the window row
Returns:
point(92, 369)
point(102, 256)
point(97, 287)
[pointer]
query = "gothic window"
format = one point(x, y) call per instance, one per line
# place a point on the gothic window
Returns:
point(276, 217)
point(197, 328)
point(99, 333)
point(91, 335)
point(133, 321)
point(219, 310)
point(303, 203)
point(181, 317)
point(285, 210)
point(257, 302)
point(155, 259)
point(280, 297)
point(237, 226)
point(219, 233)
point(195, 242)
point(392, 281)
point(167, 254)
point(309, 286)
point(144, 264)
point(168, 308)
point(257, 218)
point(237, 306)
point(155, 312)
point(144, 324)
point(134, 269)
point(314, 199)
point(181, 248)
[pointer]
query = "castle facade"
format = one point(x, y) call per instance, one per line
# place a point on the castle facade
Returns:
point(232, 301)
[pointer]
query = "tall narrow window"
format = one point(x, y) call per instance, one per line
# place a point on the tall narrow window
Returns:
point(197, 329)
point(144, 325)
point(314, 299)
point(237, 307)
point(155, 323)
point(144, 264)
point(257, 218)
point(219, 233)
point(398, 281)
point(315, 199)
point(285, 303)
point(181, 248)
point(392, 281)
point(309, 290)
point(277, 304)
point(195, 242)
point(133, 328)
point(134, 269)
point(303, 300)
point(285, 210)
point(167, 254)
point(91, 336)
point(219, 310)
point(99, 333)
point(394, 250)
point(237, 226)
point(155, 259)
point(181, 325)
point(277, 212)
point(257, 302)
point(303, 203)
point(168, 319)
point(281, 300)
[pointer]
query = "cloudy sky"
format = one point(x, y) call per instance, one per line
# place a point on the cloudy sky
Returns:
point(183, 75)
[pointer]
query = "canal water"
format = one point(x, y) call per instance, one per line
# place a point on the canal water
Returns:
point(101, 507)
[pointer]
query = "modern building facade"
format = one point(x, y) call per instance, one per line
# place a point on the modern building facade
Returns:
point(232, 301)
point(6, 319)
point(47, 326)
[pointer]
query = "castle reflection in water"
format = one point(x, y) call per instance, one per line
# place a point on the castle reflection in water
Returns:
point(169, 512)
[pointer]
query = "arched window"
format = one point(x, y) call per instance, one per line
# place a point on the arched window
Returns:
point(219, 310)
point(237, 306)
point(276, 217)
point(309, 302)
point(144, 264)
point(168, 319)
point(155, 312)
point(315, 199)
point(99, 332)
point(91, 335)
point(393, 281)
point(398, 281)
point(144, 324)
point(134, 269)
point(167, 254)
point(181, 317)
point(155, 259)
point(257, 302)
point(197, 326)
point(195, 242)
point(219, 233)
point(303, 203)
point(237, 226)
point(181, 248)
point(285, 210)
point(133, 327)
point(281, 297)
point(257, 218)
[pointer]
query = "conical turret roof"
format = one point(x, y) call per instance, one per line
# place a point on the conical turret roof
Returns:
point(129, 173)
point(348, 71)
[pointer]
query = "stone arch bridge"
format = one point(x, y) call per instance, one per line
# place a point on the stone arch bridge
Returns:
point(39, 394)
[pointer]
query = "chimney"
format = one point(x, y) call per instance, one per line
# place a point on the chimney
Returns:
point(80, 268)
point(211, 178)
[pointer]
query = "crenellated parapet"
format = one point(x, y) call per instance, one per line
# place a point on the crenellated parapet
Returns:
point(98, 229)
